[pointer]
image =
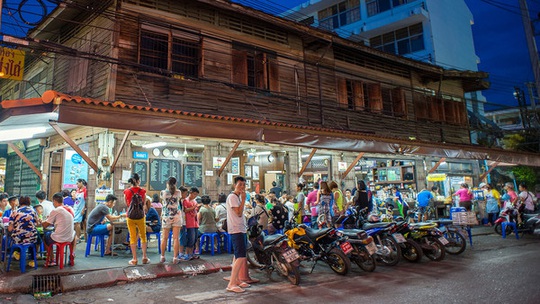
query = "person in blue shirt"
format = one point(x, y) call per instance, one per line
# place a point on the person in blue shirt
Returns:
point(423, 199)
point(13, 202)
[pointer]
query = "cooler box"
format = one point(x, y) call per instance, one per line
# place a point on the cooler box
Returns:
point(456, 209)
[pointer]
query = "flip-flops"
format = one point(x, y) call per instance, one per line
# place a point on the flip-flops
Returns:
point(132, 262)
point(236, 289)
point(252, 281)
point(146, 261)
point(111, 254)
point(244, 285)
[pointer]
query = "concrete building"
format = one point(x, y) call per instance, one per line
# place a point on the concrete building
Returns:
point(435, 31)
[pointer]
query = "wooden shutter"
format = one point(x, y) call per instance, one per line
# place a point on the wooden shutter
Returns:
point(398, 102)
point(239, 67)
point(342, 92)
point(273, 74)
point(375, 97)
point(358, 93)
point(259, 61)
point(435, 108)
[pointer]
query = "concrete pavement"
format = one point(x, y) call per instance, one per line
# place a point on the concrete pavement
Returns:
point(95, 271)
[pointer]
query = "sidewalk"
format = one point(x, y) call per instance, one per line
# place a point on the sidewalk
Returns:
point(96, 271)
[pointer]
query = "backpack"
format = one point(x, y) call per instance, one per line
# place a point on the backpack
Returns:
point(135, 210)
point(279, 216)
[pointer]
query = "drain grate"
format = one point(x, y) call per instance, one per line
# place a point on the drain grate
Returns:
point(47, 283)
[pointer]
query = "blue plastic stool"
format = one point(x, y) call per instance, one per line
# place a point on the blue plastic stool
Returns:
point(148, 234)
point(208, 240)
point(227, 242)
point(511, 224)
point(98, 238)
point(23, 248)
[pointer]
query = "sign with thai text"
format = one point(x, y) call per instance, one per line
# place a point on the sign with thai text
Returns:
point(11, 63)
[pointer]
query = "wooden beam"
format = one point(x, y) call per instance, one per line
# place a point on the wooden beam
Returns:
point(304, 166)
point(26, 160)
point(483, 176)
point(117, 155)
point(73, 145)
point(442, 160)
point(228, 157)
point(351, 166)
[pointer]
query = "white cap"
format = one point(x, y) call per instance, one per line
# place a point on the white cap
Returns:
point(482, 185)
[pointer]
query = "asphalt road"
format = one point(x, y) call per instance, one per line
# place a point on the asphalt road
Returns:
point(494, 271)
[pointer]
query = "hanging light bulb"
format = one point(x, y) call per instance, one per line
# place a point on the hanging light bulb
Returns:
point(185, 151)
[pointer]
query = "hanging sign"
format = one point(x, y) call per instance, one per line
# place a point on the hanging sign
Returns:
point(436, 177)
point(11, 63)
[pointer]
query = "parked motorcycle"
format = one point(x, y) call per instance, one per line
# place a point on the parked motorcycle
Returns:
point(457, 242)
point(410, 249)
point(324, 244)
point(364, 249)
point(430, 239)
point(531, 222)
point(273, 253)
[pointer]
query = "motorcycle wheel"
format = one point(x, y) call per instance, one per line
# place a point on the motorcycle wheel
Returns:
point(366, 262)
point(412, 251)
point(436, 252)
point(338, 261)
point(456, 242)
point(251, 257)
point(288, 270)
point(395, 252)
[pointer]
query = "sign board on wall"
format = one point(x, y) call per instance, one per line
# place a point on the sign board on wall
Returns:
point(75, 167)
point(140, 155)
point(11, 63)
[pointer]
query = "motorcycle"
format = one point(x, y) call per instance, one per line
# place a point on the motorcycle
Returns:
point(324, 244)
point(364, 249)
point(457, 242)
point(530, 222)
point(272, 253)
point(431, 240)
point(410, 249)
point(388, 248)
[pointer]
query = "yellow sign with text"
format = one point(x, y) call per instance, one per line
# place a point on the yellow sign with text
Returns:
point(436, 177)
point(11, 63)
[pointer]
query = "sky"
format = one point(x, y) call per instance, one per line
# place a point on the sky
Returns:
point(498, 33)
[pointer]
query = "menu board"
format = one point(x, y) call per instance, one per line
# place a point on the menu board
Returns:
point(141, 168)
point(161, 170)
point(193, 175)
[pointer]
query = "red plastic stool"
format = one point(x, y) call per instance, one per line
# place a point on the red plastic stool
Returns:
point(60, 250)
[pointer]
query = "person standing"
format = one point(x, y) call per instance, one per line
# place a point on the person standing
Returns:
point(171, 217)
point(63, 232)
point(465, 196)
point(79, 207)
point(493, 202)
point(136, 225)
point(526, 199)
point(325, 202)
point(311, 203)
point(361, 198)
point(300, 200)
point(424, 198)
point(192, 225)
point(236, 225)
point(338, 199)
point(47, 205)
point(275, 189)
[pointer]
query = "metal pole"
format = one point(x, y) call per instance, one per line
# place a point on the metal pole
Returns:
point(531, 43)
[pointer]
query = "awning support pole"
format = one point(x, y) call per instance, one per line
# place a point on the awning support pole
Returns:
point(304, 166)
point(489, 171)
point(73, 145)
point(351, 166)
point(117, 156)
point(228, 158)
point(442, 160)
point(26, 160)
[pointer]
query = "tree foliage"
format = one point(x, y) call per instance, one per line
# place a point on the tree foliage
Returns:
point(525, 175)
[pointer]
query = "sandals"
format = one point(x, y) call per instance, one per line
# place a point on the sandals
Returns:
point(132, 262)
point(236, 289)
point(175, 261)
point(146, 261)
point(244, 285)
point(162, 259)
point(50, 263)
point(111, 253)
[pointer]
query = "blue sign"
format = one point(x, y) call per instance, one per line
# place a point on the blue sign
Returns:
point(140, 155)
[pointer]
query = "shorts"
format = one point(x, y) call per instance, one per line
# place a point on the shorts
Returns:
point(100, 229)
point(168, 223)
point(47, 238)
point(466, 204)
point(191, 235)
point(239, 244)
point(183, 236)
point(421, 210)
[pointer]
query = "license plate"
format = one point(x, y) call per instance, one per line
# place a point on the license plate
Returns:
point(346, 247)
point(371, 248)
point(290, 255)
point(399, 238)
point(443, 240)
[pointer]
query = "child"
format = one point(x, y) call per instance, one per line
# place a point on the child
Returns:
point(39, 211)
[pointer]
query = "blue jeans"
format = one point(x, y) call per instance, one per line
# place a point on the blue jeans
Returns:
point(191, 236)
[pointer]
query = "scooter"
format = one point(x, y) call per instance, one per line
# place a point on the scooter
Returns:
point(531, 222)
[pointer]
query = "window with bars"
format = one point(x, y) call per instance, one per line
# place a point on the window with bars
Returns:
point(403, 41)
point(255, 68)
point(375, 7)
point(339, 15)
point(166, 51)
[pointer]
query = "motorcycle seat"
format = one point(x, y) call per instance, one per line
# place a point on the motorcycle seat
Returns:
point(527, 216)
point(443, 222)
point(272, 239)
point(376, 225)
point(316, 233)
point(351, 233)
point(423, 225)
